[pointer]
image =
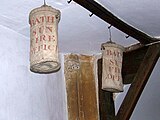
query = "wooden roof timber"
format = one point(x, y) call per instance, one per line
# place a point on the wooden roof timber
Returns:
point(138, 63)
point(141, 77)
point(134, 54)
point(132, 59)
point(108, 17)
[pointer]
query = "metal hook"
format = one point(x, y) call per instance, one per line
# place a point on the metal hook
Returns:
point(109, 26)
point(110, 35)
point(90, 15)
point(127, 36)
point(69, 1)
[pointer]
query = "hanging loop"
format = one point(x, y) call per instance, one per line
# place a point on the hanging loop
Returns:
point(110, 35)
point(44, 2)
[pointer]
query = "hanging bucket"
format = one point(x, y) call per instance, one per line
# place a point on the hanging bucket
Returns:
point(112, 55)
point(44, 39)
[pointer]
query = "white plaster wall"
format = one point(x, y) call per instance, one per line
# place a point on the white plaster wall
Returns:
point(25, 95)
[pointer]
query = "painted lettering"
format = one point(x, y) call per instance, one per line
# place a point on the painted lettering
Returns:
point(49, 38)
point(41, 19)
point(113, 52)
point(113, 77)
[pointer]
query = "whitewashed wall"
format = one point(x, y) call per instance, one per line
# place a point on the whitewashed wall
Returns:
point(28, 96)
point(25, 95)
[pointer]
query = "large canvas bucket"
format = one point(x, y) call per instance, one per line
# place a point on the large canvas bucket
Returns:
point(44, 39)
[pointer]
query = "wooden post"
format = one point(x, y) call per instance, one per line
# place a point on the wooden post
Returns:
point(106, 103)
point(139, 82)
point(81, 87)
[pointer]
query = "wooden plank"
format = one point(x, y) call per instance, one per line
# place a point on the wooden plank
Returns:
point(71, 77)
point(139, 82)
point(81, 88)
point(106, 103)
point(108, 17)
point(88, 99)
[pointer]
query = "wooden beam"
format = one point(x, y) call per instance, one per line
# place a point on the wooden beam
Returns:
point(132, 59)
point(106, 103)
point(133, 47)
point(108, 17)
point(139, 82)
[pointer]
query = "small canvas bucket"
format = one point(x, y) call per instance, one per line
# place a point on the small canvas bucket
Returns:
point(112, 55)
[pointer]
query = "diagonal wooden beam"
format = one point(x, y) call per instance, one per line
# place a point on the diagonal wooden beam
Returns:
point(108, 17)
point(139, 82)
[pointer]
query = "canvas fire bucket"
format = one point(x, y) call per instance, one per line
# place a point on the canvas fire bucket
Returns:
point(112, 55)
point(44, 39)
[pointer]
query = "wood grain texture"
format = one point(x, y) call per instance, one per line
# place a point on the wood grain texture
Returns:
point(71, 77)
point(106, 103)
point(131, 62)
point(139, 82)
point(81, 90)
